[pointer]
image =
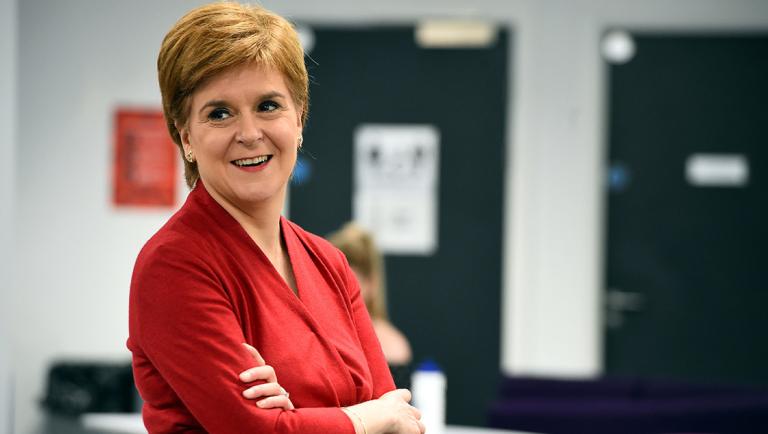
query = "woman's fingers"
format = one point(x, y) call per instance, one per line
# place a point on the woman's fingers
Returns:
point(276, 396)
point(403, 394)
point(415, 412)
point(273, 395)
point(255, 354)
point(422, 427)
point(277, 401)
point(266, 389)
point(408, 418)
point(264, 373)
point(246, 375)
point(415, 416)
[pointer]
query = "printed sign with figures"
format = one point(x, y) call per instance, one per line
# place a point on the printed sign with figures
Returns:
point(396, 186)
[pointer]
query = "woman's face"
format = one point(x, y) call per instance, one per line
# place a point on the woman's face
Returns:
point(243, 129)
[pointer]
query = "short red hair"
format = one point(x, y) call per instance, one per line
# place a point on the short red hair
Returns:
point(216, 37)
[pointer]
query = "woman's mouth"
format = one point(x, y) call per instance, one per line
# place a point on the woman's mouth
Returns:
point(250, 164)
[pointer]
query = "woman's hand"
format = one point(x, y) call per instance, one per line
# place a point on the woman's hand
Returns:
point(269, 393)
point(390, 414)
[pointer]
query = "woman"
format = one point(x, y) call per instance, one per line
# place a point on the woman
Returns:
point(367, 264)
point(227, 269)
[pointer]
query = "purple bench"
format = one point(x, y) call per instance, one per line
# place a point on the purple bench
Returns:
point(627, 406)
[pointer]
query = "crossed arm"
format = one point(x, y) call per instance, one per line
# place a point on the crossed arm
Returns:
point(272, 395)
point(184, 327)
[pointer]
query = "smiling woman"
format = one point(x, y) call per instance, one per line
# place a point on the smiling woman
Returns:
point(228, 296)
point(243, 135)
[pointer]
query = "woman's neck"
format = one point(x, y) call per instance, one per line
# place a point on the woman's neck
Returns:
point(261, 221)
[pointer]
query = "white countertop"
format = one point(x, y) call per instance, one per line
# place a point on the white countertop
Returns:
point(131, 423)
point(128, 423)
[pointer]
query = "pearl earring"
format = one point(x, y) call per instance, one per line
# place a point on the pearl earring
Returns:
point(301, 140)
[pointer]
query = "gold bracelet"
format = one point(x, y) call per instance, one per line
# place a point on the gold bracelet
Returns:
point(353, 413)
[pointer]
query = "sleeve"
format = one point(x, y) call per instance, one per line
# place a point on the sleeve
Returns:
point(380, 373)
point(186, 327)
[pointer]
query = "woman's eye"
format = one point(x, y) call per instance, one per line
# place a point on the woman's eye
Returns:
point(219, 114)
point(268, 106)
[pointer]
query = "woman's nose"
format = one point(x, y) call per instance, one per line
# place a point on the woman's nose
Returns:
point(249, 131)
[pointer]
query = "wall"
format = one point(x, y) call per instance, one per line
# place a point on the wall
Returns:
point(7, 196)
point(75, 252)
point(553, 261)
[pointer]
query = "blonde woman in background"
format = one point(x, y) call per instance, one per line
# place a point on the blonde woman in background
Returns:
point(368, 265)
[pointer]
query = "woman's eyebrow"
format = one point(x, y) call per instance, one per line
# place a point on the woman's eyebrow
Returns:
point(213, 103)
point(272, 94)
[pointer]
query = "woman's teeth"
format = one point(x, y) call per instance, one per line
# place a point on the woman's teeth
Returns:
point(251, 161)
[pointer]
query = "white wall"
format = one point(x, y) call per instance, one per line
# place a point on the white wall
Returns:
point(7, 187)
point(79, 59)
point(553, 260)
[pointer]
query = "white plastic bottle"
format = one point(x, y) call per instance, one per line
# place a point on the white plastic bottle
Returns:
point(428, 385)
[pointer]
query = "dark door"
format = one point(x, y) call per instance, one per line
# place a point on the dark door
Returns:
point(448, 303)
point(686, 275)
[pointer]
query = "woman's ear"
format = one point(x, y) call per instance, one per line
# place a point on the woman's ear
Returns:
point(183, 135)
point(299, 117)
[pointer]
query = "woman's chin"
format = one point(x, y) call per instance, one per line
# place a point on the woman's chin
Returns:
point(260, 196)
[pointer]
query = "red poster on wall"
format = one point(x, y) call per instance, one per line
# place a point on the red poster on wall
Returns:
point(145, 159)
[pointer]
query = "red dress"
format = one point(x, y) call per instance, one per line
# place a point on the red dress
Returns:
point(201, 287)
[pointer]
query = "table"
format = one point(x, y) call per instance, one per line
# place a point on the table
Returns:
point(131, 423)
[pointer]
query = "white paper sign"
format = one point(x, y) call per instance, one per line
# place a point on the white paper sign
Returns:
point(396, 186)
point(717, 170)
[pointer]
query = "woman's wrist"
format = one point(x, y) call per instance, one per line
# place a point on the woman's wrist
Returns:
point(357, 421)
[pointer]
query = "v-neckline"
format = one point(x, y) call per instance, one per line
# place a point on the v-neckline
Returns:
point(289, 254)
point(297, 252)
point(284, 227)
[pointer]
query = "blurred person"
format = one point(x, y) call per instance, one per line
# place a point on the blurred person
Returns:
point(368, 265)
point(228, 296)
